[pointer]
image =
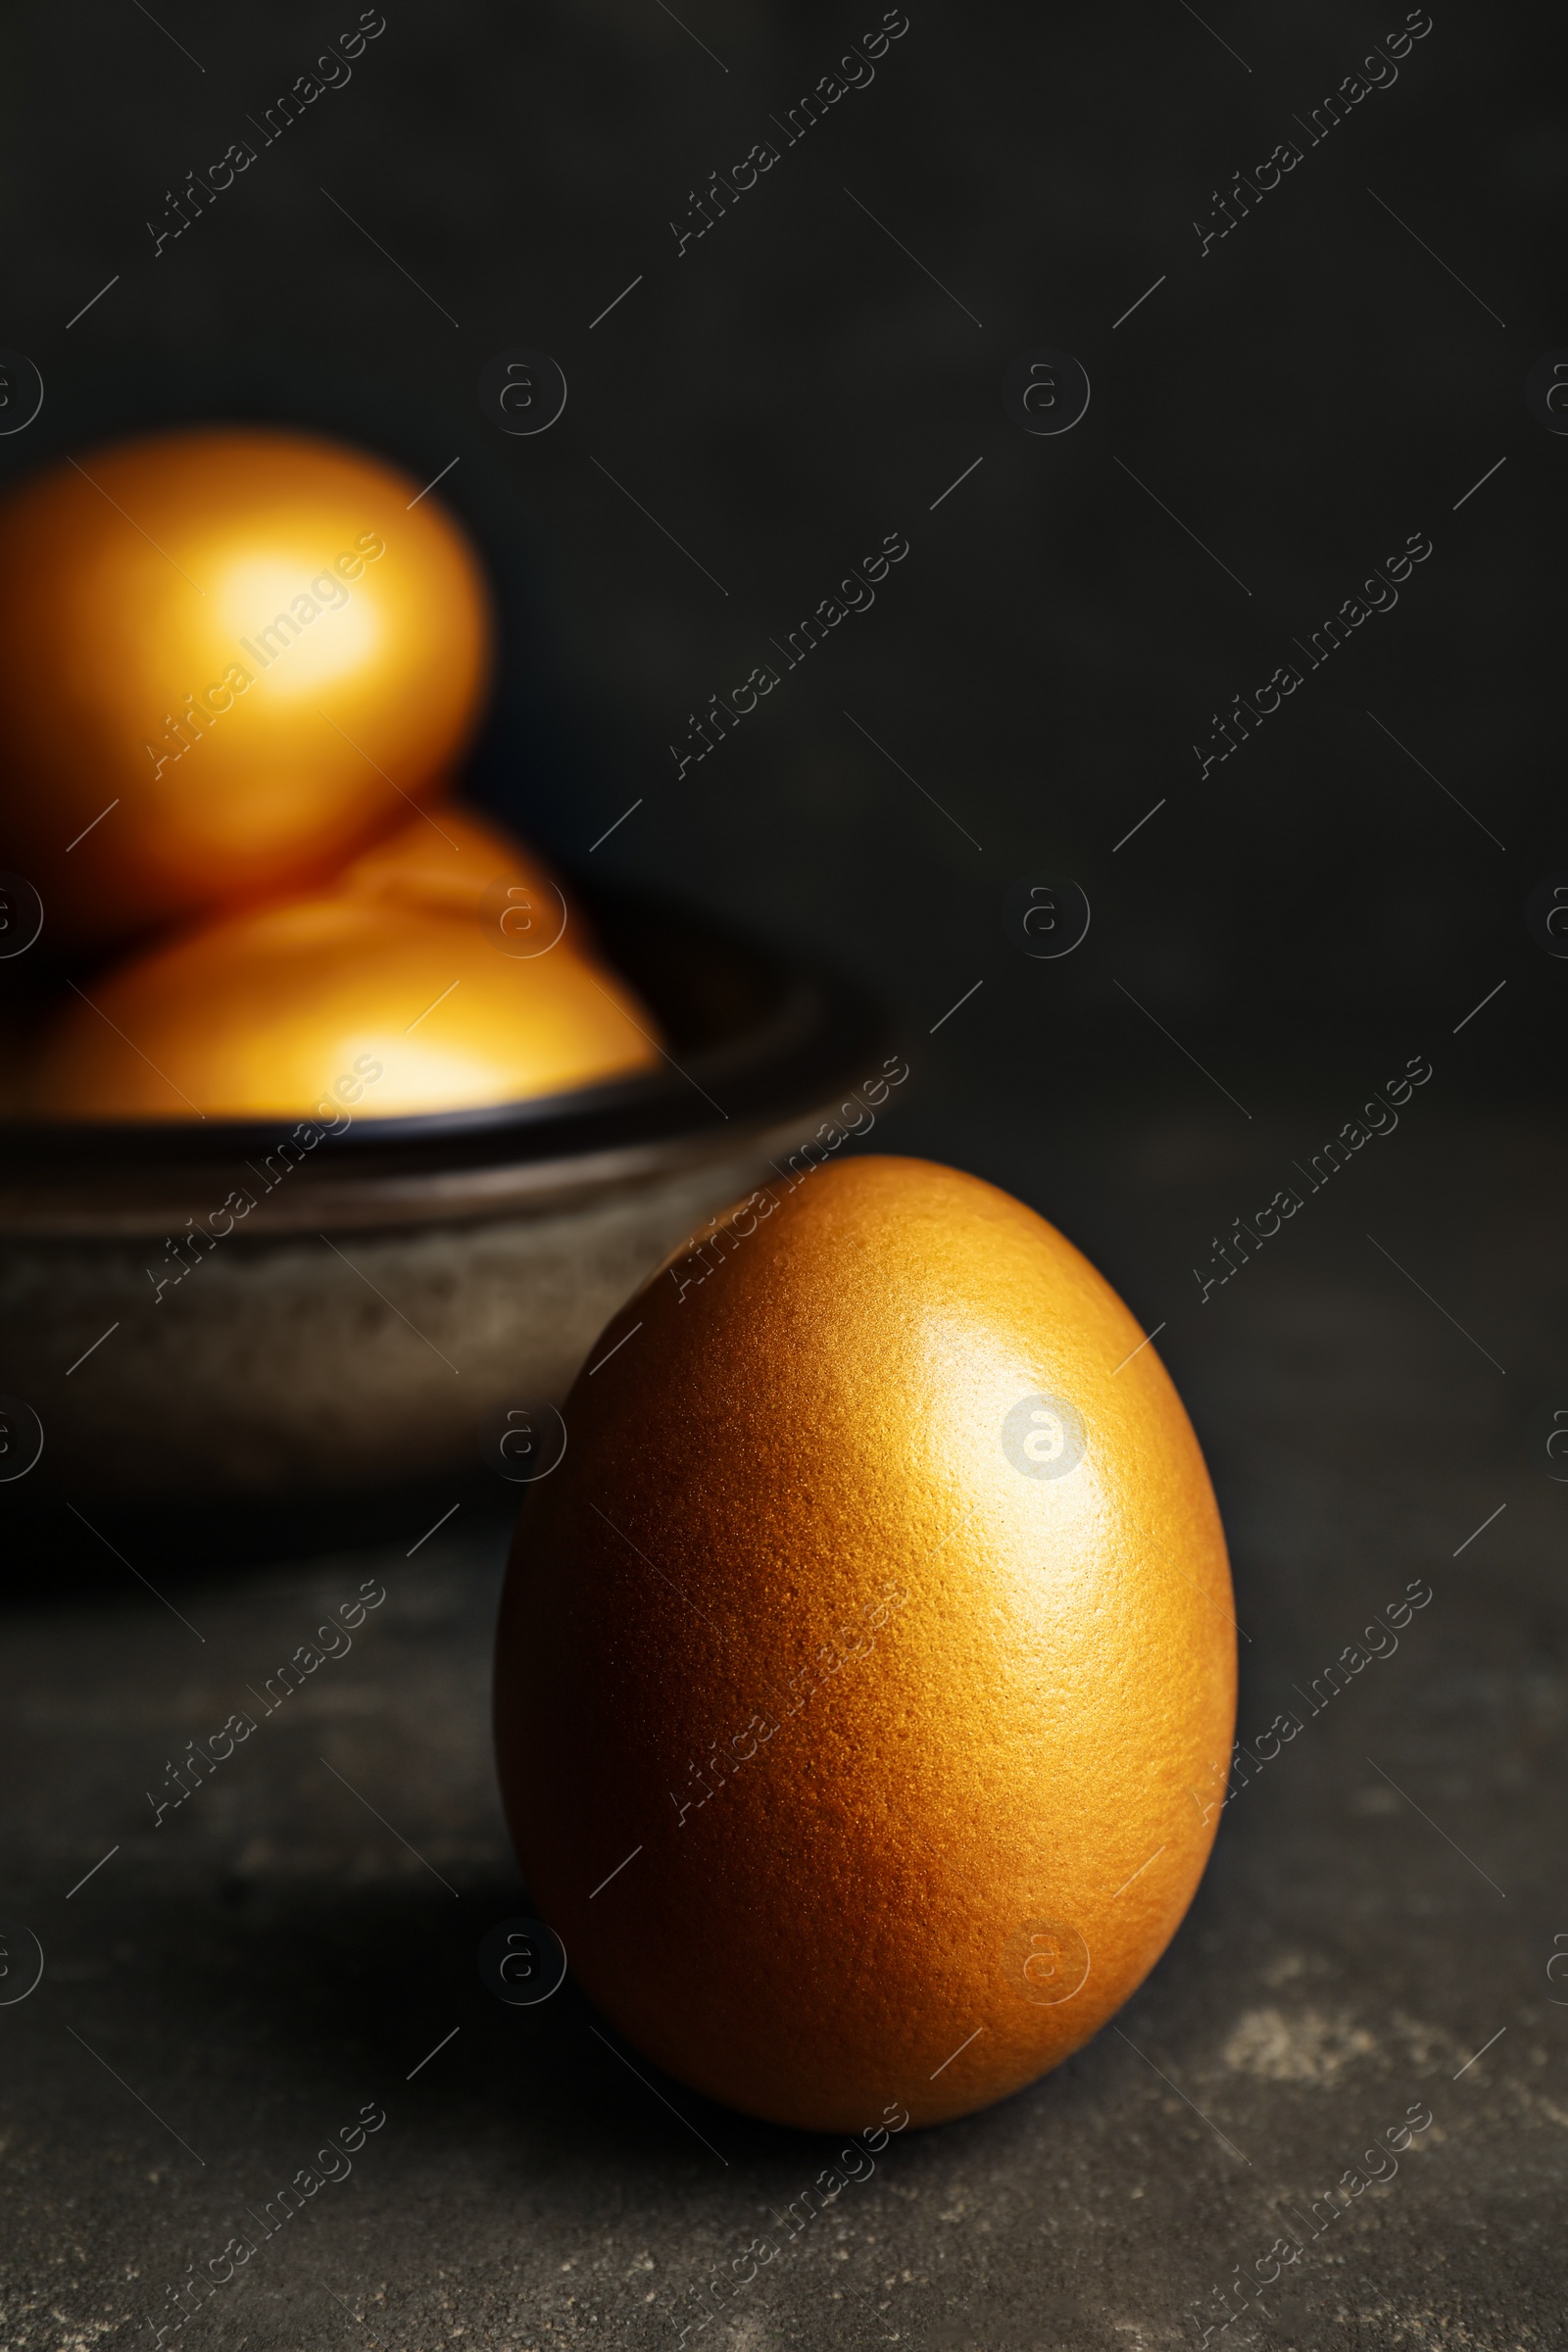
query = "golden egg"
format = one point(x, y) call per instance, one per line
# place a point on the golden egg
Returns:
point(457, 862)
point(224, 653)
point(866, 1675)
point(294, 1008)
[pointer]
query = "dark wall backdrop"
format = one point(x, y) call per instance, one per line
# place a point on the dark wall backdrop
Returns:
point(1376, 1398)
point(1304, 396)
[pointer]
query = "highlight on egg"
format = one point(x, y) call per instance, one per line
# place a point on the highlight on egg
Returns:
point(866, 1674)
point(229, 656)
point(270, 1012)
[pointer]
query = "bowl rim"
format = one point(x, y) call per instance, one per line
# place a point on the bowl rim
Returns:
point(819, 1025)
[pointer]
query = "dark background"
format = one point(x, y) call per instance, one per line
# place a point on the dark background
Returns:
point(793, 387)
point(1317, 912)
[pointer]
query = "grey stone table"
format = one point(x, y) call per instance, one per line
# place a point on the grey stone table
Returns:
point(293, 1950)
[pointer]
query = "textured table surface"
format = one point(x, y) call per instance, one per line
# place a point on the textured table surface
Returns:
point(234, 1985)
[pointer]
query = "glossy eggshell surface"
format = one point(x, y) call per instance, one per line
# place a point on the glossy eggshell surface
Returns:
point(384, 1007)
point(880, 1609)
point(227, 652)
point(455, 861)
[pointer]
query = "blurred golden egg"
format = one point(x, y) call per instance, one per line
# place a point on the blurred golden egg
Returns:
point(455, 862)
point(865, 1675)
point(222, 654)
point(327, 1001)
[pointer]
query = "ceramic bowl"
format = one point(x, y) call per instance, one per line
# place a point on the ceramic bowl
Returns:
point(400, 1298)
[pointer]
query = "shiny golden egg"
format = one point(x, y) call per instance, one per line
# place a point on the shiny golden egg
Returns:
point(866, 1675)
point(455, 861)
point(294, 1008)
point(223, 656)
